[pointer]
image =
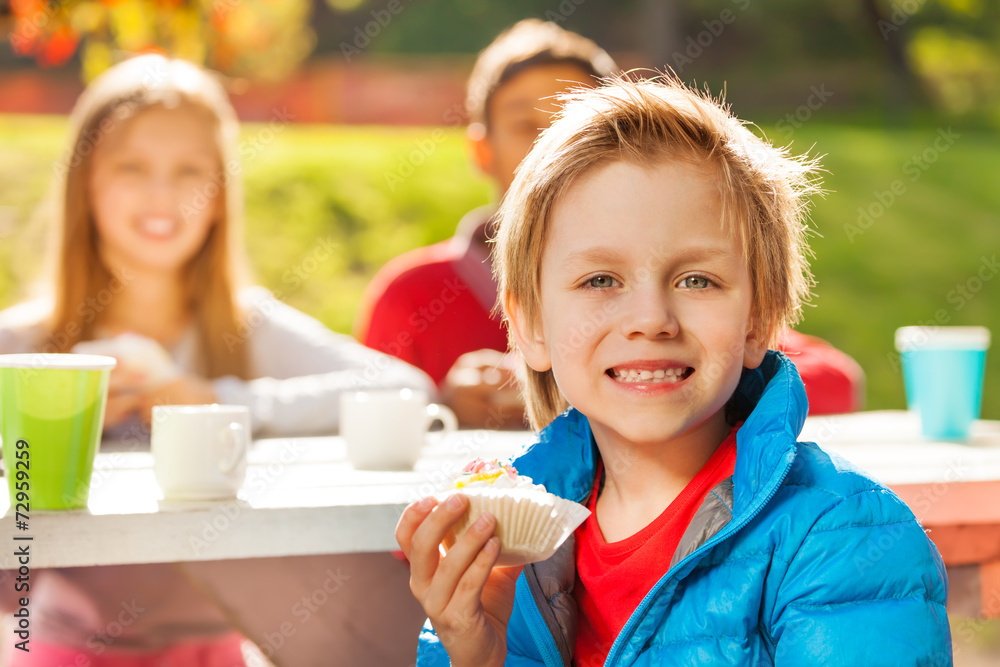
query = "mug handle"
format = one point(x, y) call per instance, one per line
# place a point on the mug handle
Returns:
point(235, 437)
point(442, 413)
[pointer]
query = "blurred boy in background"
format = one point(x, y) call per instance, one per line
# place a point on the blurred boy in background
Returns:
point(432, 306)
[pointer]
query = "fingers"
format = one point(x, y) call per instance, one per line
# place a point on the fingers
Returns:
point(120, 407)
point(124, 379)
point(466, 563)
point(479, 359)
point(510, 362)
point(492, 377)
point(453, 589)
point(467, 595)
point(412, 517)
point(471, 404)
point(429, 535)
point(484, 369)
point(467, 376)
point(464, 607)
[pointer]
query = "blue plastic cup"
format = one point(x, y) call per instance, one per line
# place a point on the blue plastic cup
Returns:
point(943, 369)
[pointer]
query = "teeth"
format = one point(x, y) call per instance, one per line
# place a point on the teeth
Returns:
point(659, 375)
point(158, 226)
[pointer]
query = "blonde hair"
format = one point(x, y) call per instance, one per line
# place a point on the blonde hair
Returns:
point(526, 44)
point(763, 190)
point(80, 277)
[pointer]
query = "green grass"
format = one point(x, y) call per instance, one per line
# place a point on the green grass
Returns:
point(905, 267)
point(310, 186)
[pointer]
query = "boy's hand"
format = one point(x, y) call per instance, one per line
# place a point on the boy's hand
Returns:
point(482, 390)
point(468, 602)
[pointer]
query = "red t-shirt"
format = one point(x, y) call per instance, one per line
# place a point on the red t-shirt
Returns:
point(612, 579)
point(430, 306)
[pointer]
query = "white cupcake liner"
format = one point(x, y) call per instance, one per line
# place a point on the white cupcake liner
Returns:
point(531, 523)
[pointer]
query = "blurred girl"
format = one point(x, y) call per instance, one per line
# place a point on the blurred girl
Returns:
point(147, 262)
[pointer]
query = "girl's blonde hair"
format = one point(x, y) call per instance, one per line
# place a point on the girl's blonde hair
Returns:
point(82, 284)
point(764, 199)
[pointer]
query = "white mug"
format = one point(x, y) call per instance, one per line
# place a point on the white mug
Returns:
point(200, 451)
point(384, 429)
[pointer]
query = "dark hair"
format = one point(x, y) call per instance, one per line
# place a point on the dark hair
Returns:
point(526, 44)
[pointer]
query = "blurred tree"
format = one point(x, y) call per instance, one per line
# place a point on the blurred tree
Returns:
point(888, 55)
point(263, 39)
point(954, 47)
point(467, 26)
point(946, 50)
point(914, 53)
point(886, 22)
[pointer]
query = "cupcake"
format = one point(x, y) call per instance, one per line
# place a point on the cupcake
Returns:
point(531, 522)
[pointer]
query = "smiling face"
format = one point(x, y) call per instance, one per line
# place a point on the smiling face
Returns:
point(154, 190)
point(645, 304)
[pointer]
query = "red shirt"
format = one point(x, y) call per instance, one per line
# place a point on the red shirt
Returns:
point(430, 306)
point(612, 579)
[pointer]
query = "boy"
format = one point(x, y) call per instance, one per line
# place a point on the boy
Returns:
point(432, 306)
point(650, 251)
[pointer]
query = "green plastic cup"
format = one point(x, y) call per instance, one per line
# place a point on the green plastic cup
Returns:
point(51, 416)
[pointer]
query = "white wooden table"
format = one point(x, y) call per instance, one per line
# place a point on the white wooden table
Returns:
point(305, 513)
point(298, 563)
point(300, 497)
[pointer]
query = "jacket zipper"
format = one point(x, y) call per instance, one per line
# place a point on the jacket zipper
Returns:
point(539, 630)
point(616, 648)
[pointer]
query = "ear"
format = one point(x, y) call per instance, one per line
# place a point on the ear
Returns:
point(530, 342)
point(754, 349)
point(480, 147)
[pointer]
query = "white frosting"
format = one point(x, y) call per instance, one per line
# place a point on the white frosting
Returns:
point(504, 482)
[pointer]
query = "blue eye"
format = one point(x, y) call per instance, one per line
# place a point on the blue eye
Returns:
point(601, 282)
point(696, 282)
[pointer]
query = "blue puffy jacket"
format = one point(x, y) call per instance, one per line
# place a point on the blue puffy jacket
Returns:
point(799, 559)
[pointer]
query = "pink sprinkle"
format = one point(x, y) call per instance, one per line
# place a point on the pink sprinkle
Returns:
point(475, 466)
point(478, 465)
